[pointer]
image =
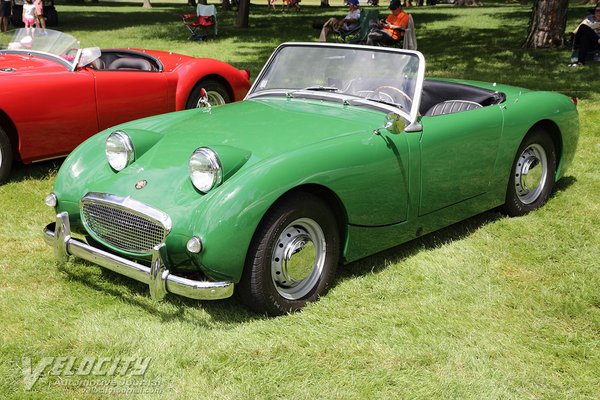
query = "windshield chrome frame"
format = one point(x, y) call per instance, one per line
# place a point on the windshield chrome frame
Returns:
point(411, 115)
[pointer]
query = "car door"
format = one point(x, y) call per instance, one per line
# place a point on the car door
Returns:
point(458, 152)
point(55, 112)
point(124, 95)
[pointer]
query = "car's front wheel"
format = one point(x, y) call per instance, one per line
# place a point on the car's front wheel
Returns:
point(532, 174)
point(216, 93)
point(293, 256)
point(6, 156)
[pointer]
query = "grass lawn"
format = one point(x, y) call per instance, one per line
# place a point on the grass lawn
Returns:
point(492, 307)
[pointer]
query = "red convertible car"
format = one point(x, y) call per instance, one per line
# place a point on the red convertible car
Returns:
point(54, 94)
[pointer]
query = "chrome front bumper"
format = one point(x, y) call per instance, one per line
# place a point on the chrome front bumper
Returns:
point(157, 277)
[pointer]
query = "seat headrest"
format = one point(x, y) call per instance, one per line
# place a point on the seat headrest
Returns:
point(452, 106)
point(131, 63)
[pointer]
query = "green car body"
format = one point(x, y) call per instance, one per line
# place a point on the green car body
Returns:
point(382, 185)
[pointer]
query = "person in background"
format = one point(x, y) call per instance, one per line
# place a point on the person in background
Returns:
point(40, 21)
point(390, 30)
point(28, 14)
point(587, 36)
point(4, 14)
point(348, 23)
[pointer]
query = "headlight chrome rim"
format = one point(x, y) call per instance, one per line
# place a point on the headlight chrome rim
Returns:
point(119, 150)
point(205, 169)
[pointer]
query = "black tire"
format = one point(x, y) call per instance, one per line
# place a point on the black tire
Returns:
point(6, 156)
point(217, 94)
point(532, 174)
point(294, 226)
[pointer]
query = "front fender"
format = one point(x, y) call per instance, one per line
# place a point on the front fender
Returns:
point(228, 216)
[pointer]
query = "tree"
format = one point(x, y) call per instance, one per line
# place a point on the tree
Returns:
point(325, 3)
point(243, 15)
point(547, 24)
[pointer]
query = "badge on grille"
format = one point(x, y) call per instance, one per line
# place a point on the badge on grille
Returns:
point(140, 184)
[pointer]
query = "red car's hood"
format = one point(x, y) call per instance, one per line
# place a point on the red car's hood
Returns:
point(11, 64)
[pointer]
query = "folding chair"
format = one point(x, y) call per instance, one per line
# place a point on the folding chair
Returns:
point(360, 33)
point(198, 24)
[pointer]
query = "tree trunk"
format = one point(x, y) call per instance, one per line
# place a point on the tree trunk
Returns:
point(225, 5)
point(243, 15)
point(325, 3)
point(465, 3)
point(547, 24)
point(147, 4)
point(192, 3)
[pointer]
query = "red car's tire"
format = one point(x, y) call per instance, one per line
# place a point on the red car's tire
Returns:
point(6, 156)
point(532, 174)
point(293, 256)
point(216, 92)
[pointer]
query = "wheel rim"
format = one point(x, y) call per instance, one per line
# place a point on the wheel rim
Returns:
point(214, 98)
point(298, 259)
point(531, 172)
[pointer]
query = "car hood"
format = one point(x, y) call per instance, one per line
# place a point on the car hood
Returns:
point(264, 127)
point(244, 135)
point(20, 64)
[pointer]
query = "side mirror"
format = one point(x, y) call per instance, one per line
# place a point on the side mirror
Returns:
point(394, 123)
point(89, 55)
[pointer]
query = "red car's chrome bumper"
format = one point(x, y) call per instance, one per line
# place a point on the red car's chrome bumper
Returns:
point(159, 279)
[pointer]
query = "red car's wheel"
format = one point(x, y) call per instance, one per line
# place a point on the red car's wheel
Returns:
point(217, 94)
point(6, 156)
point(293, 257)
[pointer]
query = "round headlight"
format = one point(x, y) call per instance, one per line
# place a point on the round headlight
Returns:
point(119, 150)
point(205, 169)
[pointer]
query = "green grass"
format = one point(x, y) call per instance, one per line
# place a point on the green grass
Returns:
point(492, 307)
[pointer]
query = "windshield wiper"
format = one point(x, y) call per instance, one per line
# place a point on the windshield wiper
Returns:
point(388, 103)
point(314, 88)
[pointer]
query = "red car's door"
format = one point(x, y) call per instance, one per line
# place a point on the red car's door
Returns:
point(55, 112)
point(126, 95)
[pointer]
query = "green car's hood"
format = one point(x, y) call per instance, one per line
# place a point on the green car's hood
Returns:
point(243, 134)
point(264, 127)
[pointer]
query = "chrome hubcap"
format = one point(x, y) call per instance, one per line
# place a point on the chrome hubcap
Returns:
point(213, 98)
point(298, 259)
point(530, 173)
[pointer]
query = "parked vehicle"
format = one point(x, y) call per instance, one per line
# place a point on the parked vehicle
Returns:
point(310, 171)
point(56, 94)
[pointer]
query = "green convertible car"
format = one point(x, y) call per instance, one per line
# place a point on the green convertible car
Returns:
point(336, 153)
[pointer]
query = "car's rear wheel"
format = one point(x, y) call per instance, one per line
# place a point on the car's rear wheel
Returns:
point(293, 256)
point(6, 156)
point(532, 174)
point(217, 94)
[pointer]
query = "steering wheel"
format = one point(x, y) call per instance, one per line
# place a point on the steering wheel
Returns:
point(393, 95)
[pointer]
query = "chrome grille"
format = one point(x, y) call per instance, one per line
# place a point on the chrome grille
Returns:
point(123, 223)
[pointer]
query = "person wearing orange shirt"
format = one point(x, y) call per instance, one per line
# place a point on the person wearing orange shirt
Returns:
point(390, 31)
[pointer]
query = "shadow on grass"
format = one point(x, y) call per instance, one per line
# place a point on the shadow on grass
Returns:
point(452, 233)
point(36, 171)
point(231, 312)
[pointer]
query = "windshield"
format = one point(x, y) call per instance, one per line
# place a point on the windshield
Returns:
point(354, 74)
point(53, 43)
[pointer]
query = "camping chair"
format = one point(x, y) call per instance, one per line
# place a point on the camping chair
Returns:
point(360, 33)
point(198, 24)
